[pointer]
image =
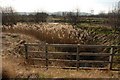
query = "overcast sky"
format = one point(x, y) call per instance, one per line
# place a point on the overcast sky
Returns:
point(59, 5)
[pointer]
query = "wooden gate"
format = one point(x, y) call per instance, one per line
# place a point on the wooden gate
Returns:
point(113, 51)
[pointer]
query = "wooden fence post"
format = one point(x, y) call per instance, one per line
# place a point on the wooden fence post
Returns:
point(77, 57)
point(111, 58)
point(26, 51)
point(46, 55)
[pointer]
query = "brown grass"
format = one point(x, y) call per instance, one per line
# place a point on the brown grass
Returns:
point(15, 66)
point(60, 33)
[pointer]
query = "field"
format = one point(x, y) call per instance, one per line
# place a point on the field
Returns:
point(15, 65)
point(57, 39)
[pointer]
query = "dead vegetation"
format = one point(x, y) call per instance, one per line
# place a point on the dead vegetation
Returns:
point(66, 34)
point(15, 66)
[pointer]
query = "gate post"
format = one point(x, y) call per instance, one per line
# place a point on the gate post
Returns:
point(111, 58)
point(26, 51)
point(77, 57)
point(46, 55)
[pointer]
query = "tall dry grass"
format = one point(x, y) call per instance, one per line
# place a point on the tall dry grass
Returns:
point(55, 33)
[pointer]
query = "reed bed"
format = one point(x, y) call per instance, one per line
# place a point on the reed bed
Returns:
point(61, 33)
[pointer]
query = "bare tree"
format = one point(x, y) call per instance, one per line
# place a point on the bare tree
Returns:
point(73, 18)
point(114, 17)
point(8, 16)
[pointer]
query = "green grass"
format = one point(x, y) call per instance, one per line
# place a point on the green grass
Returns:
point(99, 29)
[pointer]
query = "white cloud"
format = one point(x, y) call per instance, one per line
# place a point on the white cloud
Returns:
point(58, 5)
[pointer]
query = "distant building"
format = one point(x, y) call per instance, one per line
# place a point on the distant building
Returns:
point(92, 12)
point(119, 5)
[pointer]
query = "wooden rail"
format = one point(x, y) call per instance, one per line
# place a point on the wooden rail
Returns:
point(111, 54)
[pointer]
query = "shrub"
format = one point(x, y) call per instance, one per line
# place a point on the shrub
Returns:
point(40, 17)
